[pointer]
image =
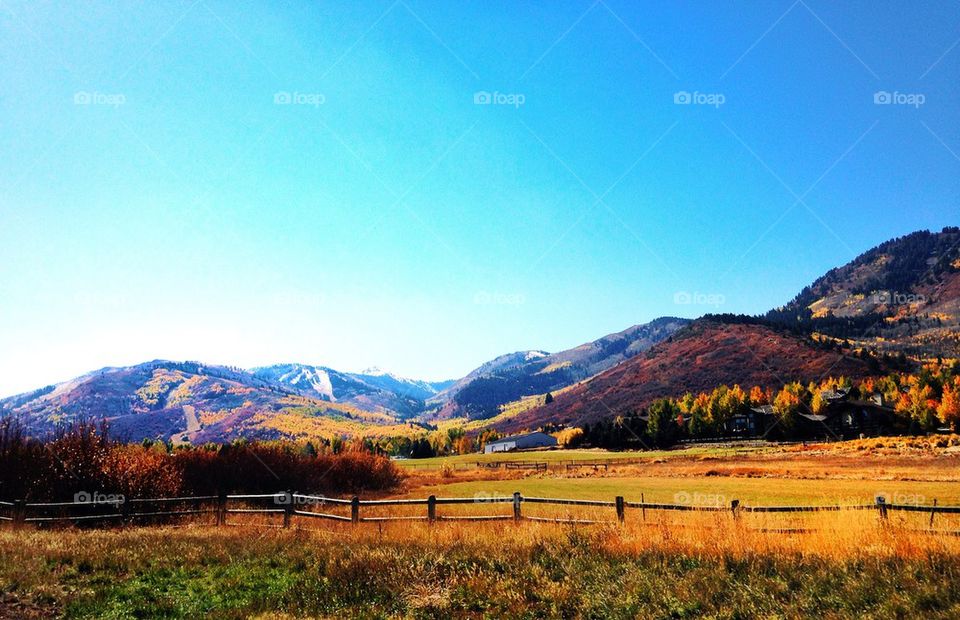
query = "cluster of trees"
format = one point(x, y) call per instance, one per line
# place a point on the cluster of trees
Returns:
point(83, 458)
point(435, 443)
point(926, 399)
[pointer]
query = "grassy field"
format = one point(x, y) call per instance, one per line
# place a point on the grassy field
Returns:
point(522, 572)
point(750, 491)
point(564, 456)
point(769, 475)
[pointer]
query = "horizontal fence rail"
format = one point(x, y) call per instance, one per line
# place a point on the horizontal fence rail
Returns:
point(290, 504)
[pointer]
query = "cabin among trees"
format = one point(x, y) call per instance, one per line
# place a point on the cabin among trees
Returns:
point(843, 416)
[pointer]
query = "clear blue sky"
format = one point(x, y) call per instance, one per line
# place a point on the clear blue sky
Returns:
point(156, 202)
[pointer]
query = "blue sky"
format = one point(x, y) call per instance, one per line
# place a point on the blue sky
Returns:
point(250, 183)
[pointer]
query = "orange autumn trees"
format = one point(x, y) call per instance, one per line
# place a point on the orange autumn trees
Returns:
point(758, 397)
point(787, 403)
point(949, 409)
point(918, 404)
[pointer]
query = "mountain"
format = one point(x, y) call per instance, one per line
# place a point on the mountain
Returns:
point(705, 354)
point(324, 383)
point(483, 392)
point(372, 389)
point(503, 363)
point(901, 296)
point(189, 401)
point(414, 388)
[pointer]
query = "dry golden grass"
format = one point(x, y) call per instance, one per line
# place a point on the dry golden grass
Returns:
point(842, 535)
point(936, 445)
point(671, 564)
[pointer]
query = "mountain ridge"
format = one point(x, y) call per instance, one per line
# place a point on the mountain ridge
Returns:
point(510, 377)
point(707, 353)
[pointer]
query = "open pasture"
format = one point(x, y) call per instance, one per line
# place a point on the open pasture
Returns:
point(800, 475)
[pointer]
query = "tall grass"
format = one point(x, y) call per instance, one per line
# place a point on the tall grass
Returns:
point(478, 570)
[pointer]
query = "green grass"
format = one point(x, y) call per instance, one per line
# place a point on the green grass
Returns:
point(670, 489)
point(556, 456)
point(233, 574)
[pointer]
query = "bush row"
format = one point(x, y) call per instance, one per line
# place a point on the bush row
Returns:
point(84, 459)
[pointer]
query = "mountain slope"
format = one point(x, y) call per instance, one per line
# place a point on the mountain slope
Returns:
point(500, 364)
point(702, 356)
point(413, 388)
point(903, 295)
point(156, 399)
point(324, 383)
point(371, 390)
point(506, 379)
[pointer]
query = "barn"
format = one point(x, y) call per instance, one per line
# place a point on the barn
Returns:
point(521, 442)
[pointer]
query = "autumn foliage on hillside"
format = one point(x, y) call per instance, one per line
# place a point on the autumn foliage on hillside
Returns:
point(84, 459)
point(918, 403)
point(707, 354)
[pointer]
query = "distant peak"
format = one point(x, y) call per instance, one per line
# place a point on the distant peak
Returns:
point(374, 371)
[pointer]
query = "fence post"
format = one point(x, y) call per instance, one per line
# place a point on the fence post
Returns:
point(734, 508)
point(125, 510)
point(516, 506)
point(287, 508)
point(620, 508)
point(19, 513)
point(933, 512)
point(882, 506)
point(355, 510)
point(643, 507)
point(222, 509)
point(432, 508)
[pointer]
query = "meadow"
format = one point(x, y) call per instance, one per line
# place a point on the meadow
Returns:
point(913, 470)
point(525, 571)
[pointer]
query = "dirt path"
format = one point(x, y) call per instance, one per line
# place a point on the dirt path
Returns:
point(193, 426)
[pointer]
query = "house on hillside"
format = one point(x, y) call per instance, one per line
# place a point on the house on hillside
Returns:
point(521, 442)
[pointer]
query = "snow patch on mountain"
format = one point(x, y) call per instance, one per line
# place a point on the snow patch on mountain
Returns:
point(309, 377)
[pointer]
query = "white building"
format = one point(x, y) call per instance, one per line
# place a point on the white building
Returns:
point(521, 442)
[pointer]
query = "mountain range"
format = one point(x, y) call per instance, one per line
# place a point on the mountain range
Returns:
point(901, 297)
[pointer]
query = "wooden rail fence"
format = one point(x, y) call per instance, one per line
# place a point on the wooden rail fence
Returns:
point(289, 504)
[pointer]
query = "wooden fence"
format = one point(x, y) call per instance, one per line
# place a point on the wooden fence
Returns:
point(289, 504)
